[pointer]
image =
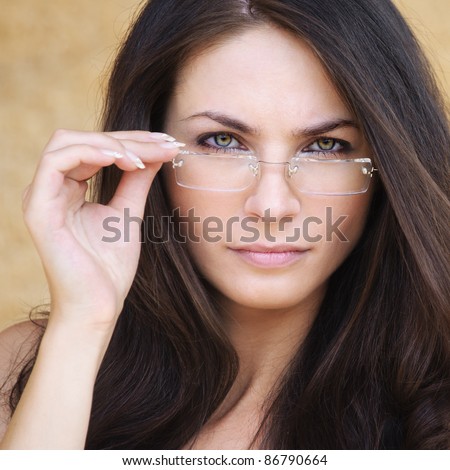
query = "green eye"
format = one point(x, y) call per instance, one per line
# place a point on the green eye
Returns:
point(223, 140)
point(326, 144)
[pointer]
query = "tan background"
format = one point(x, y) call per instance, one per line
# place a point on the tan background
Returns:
point(54, 56)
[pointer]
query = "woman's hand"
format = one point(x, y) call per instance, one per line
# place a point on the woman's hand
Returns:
point(89, 278)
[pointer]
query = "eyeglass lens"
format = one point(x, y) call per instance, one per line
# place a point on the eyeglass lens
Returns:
point(235, 173)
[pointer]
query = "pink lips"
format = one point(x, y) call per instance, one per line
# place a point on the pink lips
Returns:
point(276, 256)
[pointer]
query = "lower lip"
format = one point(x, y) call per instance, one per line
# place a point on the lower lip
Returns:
point(270, 259)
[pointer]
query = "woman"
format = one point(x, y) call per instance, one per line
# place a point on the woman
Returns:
point(313, 311)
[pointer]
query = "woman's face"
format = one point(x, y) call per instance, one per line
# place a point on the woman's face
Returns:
point(268, 246)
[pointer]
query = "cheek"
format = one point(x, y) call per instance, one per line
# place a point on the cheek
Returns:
point(204, 215)
point(204, 203)
point(344, 219)
point(348, 216)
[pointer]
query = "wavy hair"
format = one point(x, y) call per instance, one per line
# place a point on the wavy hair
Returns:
point(373, 372)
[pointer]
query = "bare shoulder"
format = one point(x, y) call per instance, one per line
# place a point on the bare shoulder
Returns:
point(16, 346)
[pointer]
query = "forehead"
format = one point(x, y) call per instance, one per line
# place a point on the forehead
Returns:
point(262, 74)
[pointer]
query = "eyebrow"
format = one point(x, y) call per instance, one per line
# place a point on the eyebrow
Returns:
point(236, 124)
point(226, 121)
point(327, 126)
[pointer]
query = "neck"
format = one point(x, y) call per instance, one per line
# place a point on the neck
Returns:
point(266, 342)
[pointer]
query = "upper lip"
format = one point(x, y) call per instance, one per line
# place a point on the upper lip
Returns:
point(269, 248)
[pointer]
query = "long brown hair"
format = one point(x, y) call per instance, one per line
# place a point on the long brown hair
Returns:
point(373, 371)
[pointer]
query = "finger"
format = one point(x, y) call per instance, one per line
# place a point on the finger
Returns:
point(78, 162)
point(132, 191)
point(133, 187)
point(51, 214)
point(25, 196)
point(125, 146)
point(63, 137)
point(142, 136)
point(74, 193)
point(151, 152)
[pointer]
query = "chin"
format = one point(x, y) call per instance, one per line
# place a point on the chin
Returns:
point(273, 299)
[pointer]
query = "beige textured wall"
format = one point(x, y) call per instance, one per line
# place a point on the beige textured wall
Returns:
point(53, 54)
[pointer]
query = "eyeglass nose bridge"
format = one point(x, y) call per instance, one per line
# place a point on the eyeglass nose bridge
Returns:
point(255, 167)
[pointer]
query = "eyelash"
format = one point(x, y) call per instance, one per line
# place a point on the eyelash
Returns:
point(345, 147)
point(201, 141)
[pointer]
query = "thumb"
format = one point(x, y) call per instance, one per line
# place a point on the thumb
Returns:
point(133, 189)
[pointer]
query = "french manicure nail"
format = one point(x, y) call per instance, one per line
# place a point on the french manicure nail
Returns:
point(139, 163)
point(168, 138)
point(162, 136)
point(136, 160)
point(172, 145)
point(112, 153)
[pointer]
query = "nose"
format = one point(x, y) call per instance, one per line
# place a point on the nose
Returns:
point(272, 192)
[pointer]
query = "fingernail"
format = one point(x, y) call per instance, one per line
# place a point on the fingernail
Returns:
point(162, 136)
point(112, 153)
point(172, 145)
point(136, 160)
